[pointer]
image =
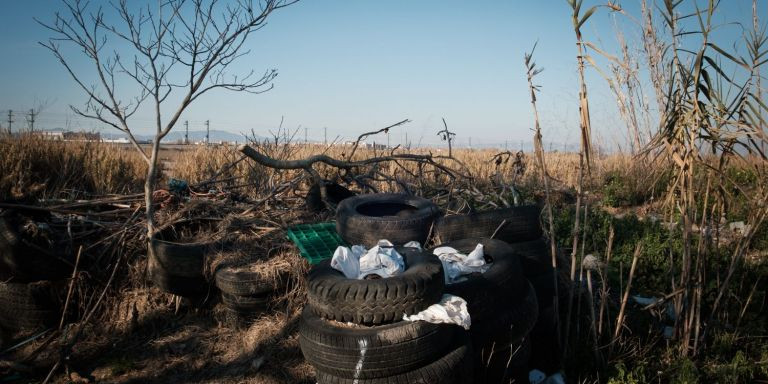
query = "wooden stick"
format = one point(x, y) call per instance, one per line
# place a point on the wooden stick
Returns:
point(604, 282)
point(502, 225)
point(71, 285)
point(620, 319)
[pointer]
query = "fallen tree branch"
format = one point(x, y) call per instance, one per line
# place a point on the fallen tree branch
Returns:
point(364, 135)
point(308, 162)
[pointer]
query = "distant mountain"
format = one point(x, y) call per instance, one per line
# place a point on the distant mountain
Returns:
point(215, 136)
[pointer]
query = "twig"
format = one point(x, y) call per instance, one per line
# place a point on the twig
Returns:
point(364, 135)
point(501, 225)
point(620, 319)
point(71, 285)
point(50, 373)
point(603, 282)
point(25, 342)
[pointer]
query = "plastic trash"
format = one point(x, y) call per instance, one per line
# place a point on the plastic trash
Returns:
point(456, 265)
point(178, 186)
point(358, 262)
point(538, 377)
point(450, 310)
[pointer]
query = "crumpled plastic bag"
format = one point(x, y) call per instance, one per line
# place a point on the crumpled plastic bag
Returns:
point(358, 262)
point(538, 377)
point(456, 264)
point(450, 310)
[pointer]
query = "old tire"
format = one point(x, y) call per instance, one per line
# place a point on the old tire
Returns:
point(372, 352)
point(544, 342)
point(365, 219)
point(502, 282)
point(246, 303)
point(335, 193)
point(177, 285)
point(27, 263)
point(455, 367)
point(241, 282)
point(335, 297)
point(504, 364)
point(520, 224)
point(512, 321)
point(535, 256)
point(28, 306)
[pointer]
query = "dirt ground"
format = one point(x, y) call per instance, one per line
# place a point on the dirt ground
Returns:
point(149, 341)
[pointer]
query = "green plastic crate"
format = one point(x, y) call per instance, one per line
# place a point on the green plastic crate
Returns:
point(316, 242)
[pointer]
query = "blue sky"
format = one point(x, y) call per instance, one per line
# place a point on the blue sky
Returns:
point(356, 66)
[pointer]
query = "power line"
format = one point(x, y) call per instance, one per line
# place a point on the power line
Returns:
point(10, 120)
point(207, 131)
point(31, 119)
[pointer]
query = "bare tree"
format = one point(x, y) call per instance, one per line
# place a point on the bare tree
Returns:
point(156, 56)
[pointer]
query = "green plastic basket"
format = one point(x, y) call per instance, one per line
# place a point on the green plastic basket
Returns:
point(316, 242)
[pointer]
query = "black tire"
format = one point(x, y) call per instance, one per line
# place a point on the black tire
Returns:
point(28, 306)
point(335, 193)
point(386, 350)
point(544, 285)
point(504, 364)
point(234, 318)
point(544, 342)
point(179, 259)
point(453, 368)
point(334, 297)
point(512, 321)
point(242, 282)
point(182, 258)
point(25, 262)
point(500, 283)
point(245, 303)
point(365, 219)
point(177, 285)
point(520, 224)
point(535, 256)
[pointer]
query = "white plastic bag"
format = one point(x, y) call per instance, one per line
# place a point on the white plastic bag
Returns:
point(457, 264)
point(358, 262)
point(450, 310)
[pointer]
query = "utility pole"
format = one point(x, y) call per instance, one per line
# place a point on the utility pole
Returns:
point(10, 120)
point(207, 132)
point(31, 119)
point(305, 135)
point(186, 131)
point(387, 139)
point(325, 135)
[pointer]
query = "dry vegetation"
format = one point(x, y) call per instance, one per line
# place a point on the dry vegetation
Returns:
point(681, 218)
point(138, 334)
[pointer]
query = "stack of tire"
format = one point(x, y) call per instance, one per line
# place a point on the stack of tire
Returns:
point(503, 307)
point(502, 304)
point(245, 294)
point(177, 266)
point(352, 331)
point(520, 228)
point(33, 275)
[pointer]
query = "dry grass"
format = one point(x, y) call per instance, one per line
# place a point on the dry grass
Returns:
point(37, 168)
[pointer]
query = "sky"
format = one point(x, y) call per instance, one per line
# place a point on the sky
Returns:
point(350, 67)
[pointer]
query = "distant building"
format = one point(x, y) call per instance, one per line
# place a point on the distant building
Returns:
point(51, 135)
point(118, 140)
point(82, 136)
